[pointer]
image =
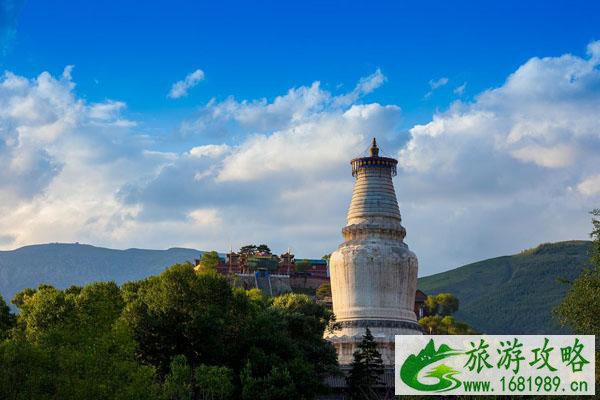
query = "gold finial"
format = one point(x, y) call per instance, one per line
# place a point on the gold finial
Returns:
point(374, 149)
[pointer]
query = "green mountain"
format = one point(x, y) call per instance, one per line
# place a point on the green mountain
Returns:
point(63, 265)
point(510, 294)
point(513, 294)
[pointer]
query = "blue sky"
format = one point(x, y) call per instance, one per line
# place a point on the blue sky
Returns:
point(492, 109)
point(131, 52)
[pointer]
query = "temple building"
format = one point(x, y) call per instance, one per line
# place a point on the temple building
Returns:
point(373, 273)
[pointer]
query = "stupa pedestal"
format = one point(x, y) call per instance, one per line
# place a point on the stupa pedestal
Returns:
point(373, 273)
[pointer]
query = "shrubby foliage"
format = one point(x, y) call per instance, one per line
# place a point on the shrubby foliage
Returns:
point(324, 290)
point(178, 335)
point(442, 304)
point(440, 321)
point(6, 319)
point(448, 325)
point(209, 261)
point(67, 344)
point(579, 308)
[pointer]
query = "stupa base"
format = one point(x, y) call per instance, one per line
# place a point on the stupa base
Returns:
point(346, 339)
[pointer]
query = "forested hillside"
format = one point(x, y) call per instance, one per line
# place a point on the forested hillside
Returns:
point(513, 294)
point(510, 294)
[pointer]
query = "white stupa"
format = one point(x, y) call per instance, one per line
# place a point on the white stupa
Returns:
point(373, 273)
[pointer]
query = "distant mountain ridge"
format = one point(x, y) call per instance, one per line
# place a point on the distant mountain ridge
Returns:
point(513, 294)
point(509, 294)
point(65, 264)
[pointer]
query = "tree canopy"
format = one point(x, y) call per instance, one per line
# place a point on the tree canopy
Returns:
point(440, 320)
point(67, 344)
point(248, 250)
point(252, 250)
point(7, 319)
point(263, 248)
point(209, 261)
point(324, 290)
point(366, 370)
point(579, 308)
point(442, 304)
point(179, 335)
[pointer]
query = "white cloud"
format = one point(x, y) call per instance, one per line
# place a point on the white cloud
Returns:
point(364, 86)
point(438, 83)
point(460, 90)
point(231, 117)
point(59, 168)
point(209, 150)
point(551, 157)
point(204, 216)
point(240, 118)
point(180, 88)
point(480, 179)
point(590, 186)
point(500, 168)
point(543, 114)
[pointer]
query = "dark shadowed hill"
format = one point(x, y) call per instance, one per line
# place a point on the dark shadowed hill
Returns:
point(513, 294)
point(63, 265)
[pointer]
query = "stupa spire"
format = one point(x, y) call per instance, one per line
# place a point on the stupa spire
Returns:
point(374, 149)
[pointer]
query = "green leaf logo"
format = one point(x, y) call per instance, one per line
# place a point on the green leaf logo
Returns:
point(409, 372)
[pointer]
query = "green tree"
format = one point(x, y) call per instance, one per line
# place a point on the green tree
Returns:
point(288, 357)
point(67, 344)
point(277, 384)
point(245, 253)
point(209, 261)
point(248, 250)
point(20, 297)
point(179, 335)
point(7, 319)
point(445, 325)
point(263, 248)
point(202, 383)
point(181, 312)
point(324, 290)
point(579, 308)
point(441, 322)
point(28, 371)
point(442, 304)
point(214, 382)
point(178, 383)
point(261, 340)
point(366, 370)
point(595, 235)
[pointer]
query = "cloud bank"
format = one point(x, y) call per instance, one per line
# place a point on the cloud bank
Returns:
point(516, 166)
